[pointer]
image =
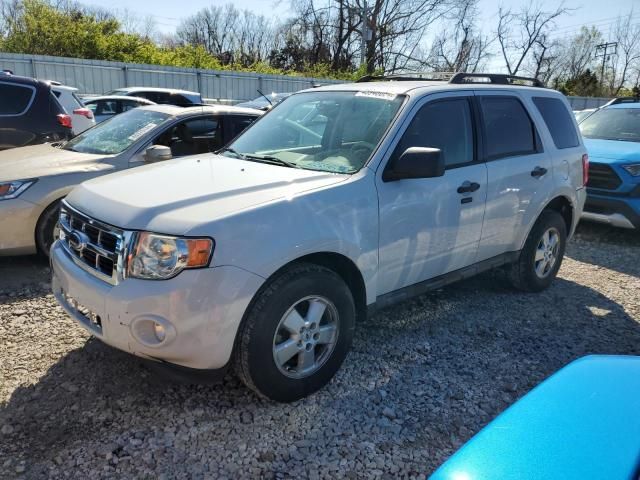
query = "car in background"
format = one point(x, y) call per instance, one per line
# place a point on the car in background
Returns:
point(168, 96)
point(264, 102)
point(81, 116)
point(107, 106)
point(581, 423)
point(582, 114)
point(612, 137)
point(30, 113)
point(34, 179)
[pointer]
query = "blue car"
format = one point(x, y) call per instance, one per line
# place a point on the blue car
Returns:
point(582, 423)
point(612, 137)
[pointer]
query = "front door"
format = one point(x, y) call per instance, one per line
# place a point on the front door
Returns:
point(432, 226)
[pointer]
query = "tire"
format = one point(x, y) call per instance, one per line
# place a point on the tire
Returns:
point(293, 299)
point(530, 273)
point(45, 228)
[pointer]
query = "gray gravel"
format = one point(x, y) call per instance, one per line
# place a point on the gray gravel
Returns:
point(423, 377)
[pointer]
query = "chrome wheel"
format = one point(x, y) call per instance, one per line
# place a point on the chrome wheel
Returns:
point(306, 336)
point(547, 252)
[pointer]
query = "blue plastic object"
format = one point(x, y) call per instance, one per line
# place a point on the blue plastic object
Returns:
point(582, 423)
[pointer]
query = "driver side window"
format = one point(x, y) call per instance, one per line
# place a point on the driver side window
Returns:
point(443, 124)
point(191, 137)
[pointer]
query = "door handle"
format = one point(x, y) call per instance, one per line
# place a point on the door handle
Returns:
point(538, 172)
point(468, 187)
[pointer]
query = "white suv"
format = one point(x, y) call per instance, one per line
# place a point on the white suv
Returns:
point(81, 117)
point(340, 200)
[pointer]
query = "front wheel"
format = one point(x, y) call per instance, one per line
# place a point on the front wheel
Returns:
point(47, 229)
point(297, 333)
point(542, 255)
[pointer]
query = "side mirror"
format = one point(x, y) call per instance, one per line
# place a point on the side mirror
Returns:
point(417, 162)
point(156, 153)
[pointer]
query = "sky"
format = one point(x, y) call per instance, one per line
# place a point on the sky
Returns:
point(601, 13)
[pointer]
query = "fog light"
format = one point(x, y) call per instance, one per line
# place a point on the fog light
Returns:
point(159, 331)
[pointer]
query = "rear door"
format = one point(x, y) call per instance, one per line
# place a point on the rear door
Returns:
point(431, 226)
point(519, 171)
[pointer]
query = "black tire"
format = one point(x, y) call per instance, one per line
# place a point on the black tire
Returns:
point(45, 228)
point(523, 272)
point(254, 354)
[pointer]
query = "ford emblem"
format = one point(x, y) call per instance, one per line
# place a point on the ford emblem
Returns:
point(77, 241)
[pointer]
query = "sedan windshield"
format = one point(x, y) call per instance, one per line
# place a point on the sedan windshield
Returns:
point(329, 131)
point(116, 134)
point(613, 124)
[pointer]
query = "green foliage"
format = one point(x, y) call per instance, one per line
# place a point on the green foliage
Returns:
point(42, 29)
point(584, 85)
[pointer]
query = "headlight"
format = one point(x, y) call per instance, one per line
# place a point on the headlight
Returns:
point(634, 170)
point(159, 257)
point(14, 188)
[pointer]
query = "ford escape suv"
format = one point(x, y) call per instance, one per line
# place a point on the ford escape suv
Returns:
point(339, 200)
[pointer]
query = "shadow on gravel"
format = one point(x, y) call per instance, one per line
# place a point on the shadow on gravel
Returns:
point(606, 246)
point(423, 377)
point(23, 277)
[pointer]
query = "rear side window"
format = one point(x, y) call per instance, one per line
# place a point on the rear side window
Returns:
point(558, 120)
point(15, 98)
point(508, 129)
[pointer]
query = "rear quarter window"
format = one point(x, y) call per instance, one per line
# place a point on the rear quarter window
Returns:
point(15, 98)
point(558, 120)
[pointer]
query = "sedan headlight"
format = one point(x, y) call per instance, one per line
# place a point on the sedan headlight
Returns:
point(634, 169)
point(14, 188)
point(159, 257)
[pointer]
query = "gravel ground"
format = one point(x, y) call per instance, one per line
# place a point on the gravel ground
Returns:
point(423, 377)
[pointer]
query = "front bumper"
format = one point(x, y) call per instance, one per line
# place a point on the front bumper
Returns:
point(615, 211)
point(201, 310)
point(18, 219)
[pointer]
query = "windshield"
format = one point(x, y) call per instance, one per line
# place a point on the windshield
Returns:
point(613, 124)
point(329, 131)
point(116, 134)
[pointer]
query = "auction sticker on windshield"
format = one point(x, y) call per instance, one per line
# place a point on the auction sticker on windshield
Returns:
point(381, 95)
point(142, 131)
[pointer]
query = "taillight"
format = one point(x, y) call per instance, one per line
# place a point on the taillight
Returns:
point(585, 169)
point(85, 112)
point(64, 120)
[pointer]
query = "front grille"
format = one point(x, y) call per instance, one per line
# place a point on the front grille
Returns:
point(602, 176)
point(95, 246)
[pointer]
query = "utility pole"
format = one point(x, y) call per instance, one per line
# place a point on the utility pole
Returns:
point(366, 33)
point(602, 50)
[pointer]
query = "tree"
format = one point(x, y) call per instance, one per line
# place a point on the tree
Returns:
point(519, 32)
point(585, 84)
point(627, 36)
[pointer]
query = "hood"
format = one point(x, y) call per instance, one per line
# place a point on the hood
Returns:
point(175, 196)
point(612, 151)
point(42, 160)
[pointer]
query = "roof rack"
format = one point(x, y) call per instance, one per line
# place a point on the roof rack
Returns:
point(496, 78)
point(407, 77)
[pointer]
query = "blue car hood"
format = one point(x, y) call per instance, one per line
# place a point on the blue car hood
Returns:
point(612, 151)
point(583, 423)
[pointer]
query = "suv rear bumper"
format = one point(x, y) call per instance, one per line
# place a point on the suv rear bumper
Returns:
point(613, 211)
point(200, 310)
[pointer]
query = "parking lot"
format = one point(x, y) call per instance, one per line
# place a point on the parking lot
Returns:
point(422, 378)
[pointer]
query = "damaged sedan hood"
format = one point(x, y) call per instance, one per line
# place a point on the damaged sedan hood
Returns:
point(44, 160)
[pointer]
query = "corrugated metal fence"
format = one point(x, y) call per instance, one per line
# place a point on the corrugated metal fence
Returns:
point(97, 76)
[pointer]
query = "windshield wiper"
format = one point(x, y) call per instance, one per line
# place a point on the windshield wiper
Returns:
point(270, 159)
point(232, 151)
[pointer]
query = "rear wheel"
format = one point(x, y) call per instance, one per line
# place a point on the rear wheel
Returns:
point(46, 228)
point(297, 333)
point(542, 255)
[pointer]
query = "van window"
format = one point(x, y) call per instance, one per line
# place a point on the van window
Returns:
point(508, 129)
point(15, 98)
point(558, 120)
point(445, 125)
